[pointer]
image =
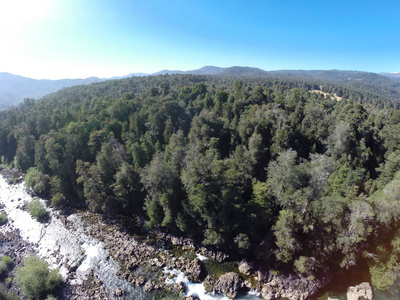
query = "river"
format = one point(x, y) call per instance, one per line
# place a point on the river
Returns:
point(61, 246)
point(65, 244)
point(70, 247)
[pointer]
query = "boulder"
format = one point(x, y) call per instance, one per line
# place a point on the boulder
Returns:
point(118, 292)
point(210, 283)
point(269, 292)
point(139, 281)
point(193, 270)
point(230, 284)
point(286, 287)
point(360, 291)
point(180, 286)
point(149, 286)
point(218, 256)
point(245, 268)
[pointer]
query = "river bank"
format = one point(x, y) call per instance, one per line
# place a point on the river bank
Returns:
point(99, 258)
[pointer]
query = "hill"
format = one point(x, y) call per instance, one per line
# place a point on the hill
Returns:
point(379, 85)
point(209, 70)
point(14, 88)
point(395, 75)
point(265, 168)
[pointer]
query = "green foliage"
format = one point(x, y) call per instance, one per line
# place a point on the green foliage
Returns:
point(386, 203)
point(58, 200)
point(35, 279)
point(212, 237)
point(242, 241)
point(287, 180)
point(215, 268)
point(303, 265)
point(6, 295)
point(264, 167)
point(37, 210)
point(94, 191)
point(5, 264)
point(3, 219)
point(285, 231)
point(159, 180)
point(385, 265)
point(37, 181)
point(389, 168)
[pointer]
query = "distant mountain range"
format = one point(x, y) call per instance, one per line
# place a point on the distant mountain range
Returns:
point(391, 74)
point(14, 88)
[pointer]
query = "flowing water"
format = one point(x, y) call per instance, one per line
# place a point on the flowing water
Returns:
point(198, 289)
point(64, 246)
point(63, 243)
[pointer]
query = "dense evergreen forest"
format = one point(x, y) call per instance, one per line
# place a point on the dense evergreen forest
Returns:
point(266, 167)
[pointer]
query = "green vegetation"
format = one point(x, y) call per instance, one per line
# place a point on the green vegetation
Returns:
point(5, 265)
point(37, 210)
point(38, 182)
point(58, 200)
point(35, 279)
point(261, 167)
point(6, 295)
point(217, 269)
point(3, 219)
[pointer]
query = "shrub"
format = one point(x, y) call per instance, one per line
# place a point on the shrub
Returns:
point(37, 181)
point(35, 279)
point(301, 265)
point(58, 200)
point(37, 210)
point(3, 219)
point(5, 264)
point(5, 295)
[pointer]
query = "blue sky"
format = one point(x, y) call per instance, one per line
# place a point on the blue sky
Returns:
point(104, 38)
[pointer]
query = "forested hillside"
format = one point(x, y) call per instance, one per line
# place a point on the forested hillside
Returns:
point(260, 167)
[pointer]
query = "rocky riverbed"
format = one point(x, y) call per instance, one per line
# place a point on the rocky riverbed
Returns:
point(100, 259)
point(142, 260)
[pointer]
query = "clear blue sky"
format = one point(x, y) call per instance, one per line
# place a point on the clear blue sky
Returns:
point(104, 38)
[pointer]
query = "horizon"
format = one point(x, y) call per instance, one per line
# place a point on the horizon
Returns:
point(176, 70)
point(81, 39)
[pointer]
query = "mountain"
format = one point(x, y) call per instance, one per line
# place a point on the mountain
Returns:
point(14, 88)
point(243, 71)
point(129, 75)
point(211, 70)
point(393, 75)
point(206, 70)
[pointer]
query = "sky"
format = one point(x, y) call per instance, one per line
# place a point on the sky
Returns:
point(54, 39)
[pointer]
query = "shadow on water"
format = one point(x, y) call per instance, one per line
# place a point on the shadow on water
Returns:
point(337, 287)
point(339, 284)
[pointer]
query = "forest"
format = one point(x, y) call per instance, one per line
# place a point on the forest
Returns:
point(263, 167)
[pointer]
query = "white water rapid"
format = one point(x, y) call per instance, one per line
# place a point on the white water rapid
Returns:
point(198, 289)
point(63, 246)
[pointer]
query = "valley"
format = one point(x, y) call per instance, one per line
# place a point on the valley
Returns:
point(246, 183)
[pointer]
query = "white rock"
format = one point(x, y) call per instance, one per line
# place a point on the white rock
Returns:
point(360, 291)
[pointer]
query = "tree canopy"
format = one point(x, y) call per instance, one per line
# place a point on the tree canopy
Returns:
point(261, 167)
